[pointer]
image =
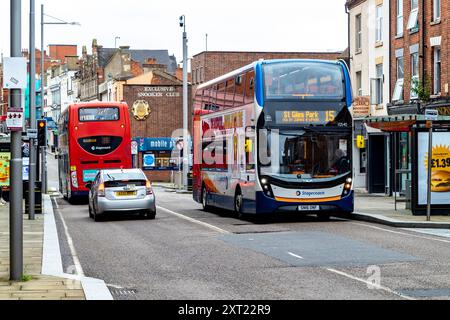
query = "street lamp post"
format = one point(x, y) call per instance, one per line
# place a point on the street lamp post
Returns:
point(186, 151)
point(16, 208)
point(44, 148)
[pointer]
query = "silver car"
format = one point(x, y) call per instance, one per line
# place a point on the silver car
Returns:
point(121, 191)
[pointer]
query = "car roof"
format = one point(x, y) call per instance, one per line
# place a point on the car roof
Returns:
point(113, 171)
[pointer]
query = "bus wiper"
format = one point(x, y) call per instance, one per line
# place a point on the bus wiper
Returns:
point(110, 177)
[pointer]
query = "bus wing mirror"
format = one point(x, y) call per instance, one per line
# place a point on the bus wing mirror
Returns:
point(88, 185)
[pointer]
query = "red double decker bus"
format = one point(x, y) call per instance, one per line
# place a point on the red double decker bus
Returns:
point(92, 137)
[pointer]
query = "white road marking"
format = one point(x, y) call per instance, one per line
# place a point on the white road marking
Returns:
point(401, 233)
point(296, 256)
point(73, 252)
point(368, 283)
point(207, 225)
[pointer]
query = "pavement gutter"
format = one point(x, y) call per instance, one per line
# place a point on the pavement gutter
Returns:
point(380, 219)
point(94, 289)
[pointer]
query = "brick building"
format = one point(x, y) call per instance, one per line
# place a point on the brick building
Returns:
point(420, 55)
point(160, 95)
point(59, 52)
point(122, 61)
point(212, 64)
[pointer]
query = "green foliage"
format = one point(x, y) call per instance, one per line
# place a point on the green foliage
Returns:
point(26, 278)
point(422, 89)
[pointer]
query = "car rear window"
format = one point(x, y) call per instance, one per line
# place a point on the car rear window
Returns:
point(120, 184)
point(124, 176)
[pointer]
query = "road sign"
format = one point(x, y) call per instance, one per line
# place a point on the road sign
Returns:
point(15, 73)
point(134, 148)
point(14, 119)
point(32, 133)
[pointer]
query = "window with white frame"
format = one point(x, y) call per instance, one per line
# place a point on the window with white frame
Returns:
point(414, 73)
point(436, 10)
point(413, 22)
point(379, 23)
point(398, 91)
point(376, 86)
point(399, 18)
point(359, 90)
point(358, 33)
point(437, 70)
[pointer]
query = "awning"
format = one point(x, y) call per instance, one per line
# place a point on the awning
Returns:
point(400, 123)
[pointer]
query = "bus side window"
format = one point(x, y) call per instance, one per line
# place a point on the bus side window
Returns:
point(221, 95)
point(240, 91)
point(230, 92)
point(250, 87)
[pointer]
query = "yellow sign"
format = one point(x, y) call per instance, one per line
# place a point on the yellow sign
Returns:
point(361, 142)
point(5, 158)
point(440, 166)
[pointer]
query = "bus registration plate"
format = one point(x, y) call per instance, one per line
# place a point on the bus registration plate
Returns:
point(309, 208)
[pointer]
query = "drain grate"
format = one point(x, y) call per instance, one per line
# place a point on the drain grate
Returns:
point(123, 292)
point(427, 293)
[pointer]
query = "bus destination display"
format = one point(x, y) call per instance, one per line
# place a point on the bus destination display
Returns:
point(305, 117)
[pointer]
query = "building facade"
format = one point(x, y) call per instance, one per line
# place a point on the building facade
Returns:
point(212, 64)
point(105, 64)
point(369, 41)
point(156, 111)
point(420, 56)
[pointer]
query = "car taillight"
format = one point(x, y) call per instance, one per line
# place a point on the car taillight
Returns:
point(74, 179)
point(101, 190)
point(148, 186)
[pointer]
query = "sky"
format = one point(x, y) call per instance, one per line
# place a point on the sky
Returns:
point(232, 25)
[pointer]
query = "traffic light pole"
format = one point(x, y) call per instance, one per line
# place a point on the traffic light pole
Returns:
point(42, 143)
point(33, 124)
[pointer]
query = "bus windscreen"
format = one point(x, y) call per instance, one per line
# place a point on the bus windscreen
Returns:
point(303, 80)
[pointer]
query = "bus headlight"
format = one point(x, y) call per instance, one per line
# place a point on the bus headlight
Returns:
point(348, 187)
point(267, 189)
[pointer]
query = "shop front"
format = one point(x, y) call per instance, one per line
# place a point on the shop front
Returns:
point(159, 158)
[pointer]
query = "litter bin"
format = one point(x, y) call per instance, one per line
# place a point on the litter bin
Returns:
point(408, 195)
point(37, 198)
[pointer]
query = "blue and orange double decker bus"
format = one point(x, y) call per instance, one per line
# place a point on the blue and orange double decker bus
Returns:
point(92, 136)
point(275, 136)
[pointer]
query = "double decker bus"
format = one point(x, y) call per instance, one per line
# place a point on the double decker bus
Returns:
point(92, 136)
point(275, 136)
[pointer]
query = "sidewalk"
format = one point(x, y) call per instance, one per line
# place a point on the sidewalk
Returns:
point(40, 287)
point(381, 209)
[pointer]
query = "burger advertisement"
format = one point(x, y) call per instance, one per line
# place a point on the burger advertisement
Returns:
point(440, 168)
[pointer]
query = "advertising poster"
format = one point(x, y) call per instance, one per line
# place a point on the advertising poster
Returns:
point(5, 158)
point(440, 178)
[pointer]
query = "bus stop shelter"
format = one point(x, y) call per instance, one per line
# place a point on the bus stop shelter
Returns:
point(418, 128)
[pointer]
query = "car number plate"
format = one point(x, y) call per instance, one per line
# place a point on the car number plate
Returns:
point(309, 208)
point(126, 193)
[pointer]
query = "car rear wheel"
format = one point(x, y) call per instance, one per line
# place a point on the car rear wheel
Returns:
point(91, 215)
point(150, 215)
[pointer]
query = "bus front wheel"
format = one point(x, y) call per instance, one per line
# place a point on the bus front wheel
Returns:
point(238, 204)
point(205, 199)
